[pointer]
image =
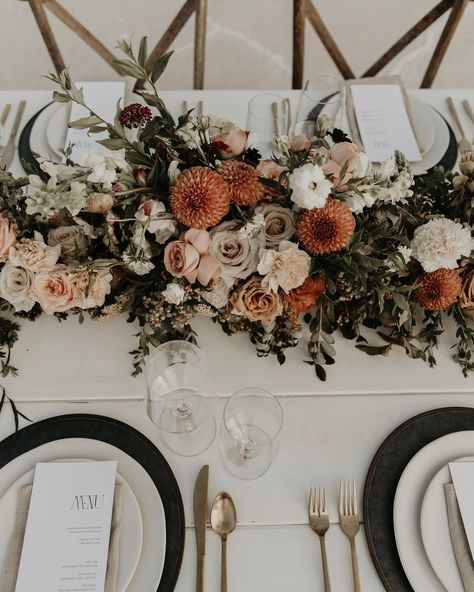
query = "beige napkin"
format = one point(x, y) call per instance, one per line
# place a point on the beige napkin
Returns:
point(459, 539)
point(12, 560)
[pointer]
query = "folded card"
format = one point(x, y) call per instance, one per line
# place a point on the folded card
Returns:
point(67, 534)
point(383, 121)
point(102, 98)
point(462, 473)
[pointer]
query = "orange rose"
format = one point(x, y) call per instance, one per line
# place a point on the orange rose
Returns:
point(304, 297)
point(466, 299)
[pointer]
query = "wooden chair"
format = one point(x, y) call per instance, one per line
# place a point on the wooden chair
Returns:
point(303, 9)
point(199, 7)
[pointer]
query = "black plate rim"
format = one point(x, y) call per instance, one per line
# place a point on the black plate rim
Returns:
point(373, 467)
point(77, 425)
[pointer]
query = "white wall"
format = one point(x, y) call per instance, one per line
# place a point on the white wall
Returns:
point(248, 44)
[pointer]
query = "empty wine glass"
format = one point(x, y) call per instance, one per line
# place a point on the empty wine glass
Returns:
point(324, 94)
point(178, 389)
point(252, 424)
point(267, 119)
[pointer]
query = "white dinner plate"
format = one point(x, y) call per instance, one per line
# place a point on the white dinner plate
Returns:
point(424, 128)
point(150, 565)
point(435, 531)
point(407, 505)
point(130, 536)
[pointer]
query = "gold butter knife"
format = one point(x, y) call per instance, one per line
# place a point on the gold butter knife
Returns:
point(200, 522)
point(9, 152)
point(5, 113)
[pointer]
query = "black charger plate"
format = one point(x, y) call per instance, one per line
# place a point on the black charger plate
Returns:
point(133, 443)
point(382, 480)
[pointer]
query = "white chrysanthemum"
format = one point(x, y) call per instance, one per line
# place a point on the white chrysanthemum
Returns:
point(310, 186)
point(174, 293)
point(440, 243)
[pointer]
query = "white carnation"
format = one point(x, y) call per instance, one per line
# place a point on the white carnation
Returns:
point(174, 293)
point(310, 186)
point(286, 268)
point(440, 243)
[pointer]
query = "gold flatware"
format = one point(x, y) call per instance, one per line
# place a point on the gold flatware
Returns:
point(200, 109)
point(200, 522)
point(467, 107)
point(5, 113)
point(349, 523)
point(319, 522)
point(288, 116)
point(464, 144)
point(223, 522)
point(9, 151)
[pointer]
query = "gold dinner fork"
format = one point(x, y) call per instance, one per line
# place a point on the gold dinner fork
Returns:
point(349, 523)
point(319, 522)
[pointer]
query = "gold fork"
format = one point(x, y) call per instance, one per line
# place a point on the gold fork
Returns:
point(349, 523)
point(319, 522)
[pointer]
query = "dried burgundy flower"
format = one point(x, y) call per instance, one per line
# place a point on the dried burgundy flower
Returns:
point(135, 115)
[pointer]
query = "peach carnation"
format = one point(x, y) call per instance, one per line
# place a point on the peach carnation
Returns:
point(327, 229)
point(439, 289)
point(199, 198)
point(242, 179)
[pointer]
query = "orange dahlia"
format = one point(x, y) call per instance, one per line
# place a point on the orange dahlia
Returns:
point(243, 181)
point(199, 198)
point(304, 297)
point(439, 289)
point(327, 229)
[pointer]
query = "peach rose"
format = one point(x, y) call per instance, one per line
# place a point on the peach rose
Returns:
point(8, 234)
point(190, 258)
point(253, 301)
point(54, 290)
point(279, 223)
point(100, 203)
point(466, 299)
point(230, 144)
point(300, 143)
point(269, 169)
point(304, 297)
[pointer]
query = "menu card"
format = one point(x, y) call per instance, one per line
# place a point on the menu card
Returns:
point(383, 121)
point(102, 98)
point(67, 534)
point(462, 473)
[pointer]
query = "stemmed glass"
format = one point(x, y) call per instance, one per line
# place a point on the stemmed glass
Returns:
point(267, 119)
point(251, 428)
point(324, 94)
point(178, 389)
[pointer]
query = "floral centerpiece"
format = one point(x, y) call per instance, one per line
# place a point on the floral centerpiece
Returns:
point(183, 218)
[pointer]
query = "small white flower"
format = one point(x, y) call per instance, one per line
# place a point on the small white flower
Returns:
point(173, 171)
point(310, 186)
point(405, 252)
point(253, 227)
point(152, 214)
point(357, 202)
point(174, 293)
point(440, 243)
point(137, 262)
point(104, 166)
point(387, 168)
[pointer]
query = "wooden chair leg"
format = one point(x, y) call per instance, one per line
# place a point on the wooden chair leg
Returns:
point(421, 26)
point(299, 16)
point(328, 41)
point(457, 11)
point(200, 43)
point(47, 34)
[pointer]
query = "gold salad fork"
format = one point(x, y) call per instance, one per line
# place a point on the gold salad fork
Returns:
point(319, 522)
point(349, 523)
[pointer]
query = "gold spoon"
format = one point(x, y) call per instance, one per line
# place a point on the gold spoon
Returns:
point(223, 522)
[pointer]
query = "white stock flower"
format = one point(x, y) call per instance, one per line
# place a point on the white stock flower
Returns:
point(15, 285)
point(104, 166)
point(174, 293)
point(173, 171)
point(310, 187)
point(152, 214)
point(356, 202)
point(440, 243)
point(286, 268)
point(48, 198)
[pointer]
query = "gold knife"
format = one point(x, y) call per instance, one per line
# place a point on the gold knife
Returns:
point(9, 152)
point(5, 113)
point(200, 522)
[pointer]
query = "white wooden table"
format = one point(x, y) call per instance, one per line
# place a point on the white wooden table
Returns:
point(332, 429)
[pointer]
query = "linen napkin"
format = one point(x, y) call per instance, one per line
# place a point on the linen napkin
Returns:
point(12, 561)
point(459, 539)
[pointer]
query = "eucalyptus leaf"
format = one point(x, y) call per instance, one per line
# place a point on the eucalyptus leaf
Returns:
point(160, 66)
point(85, 122)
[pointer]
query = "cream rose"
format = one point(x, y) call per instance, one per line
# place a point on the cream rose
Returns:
point(15, 285)
point(34, 254)
point(255, 303)
point(55, 290)
point(100, 203)
point(238, 257)
point(466, 300)
point(279, 223)
point(8, 234)
point(231, 143)
point(218, 296)
point(269, 169)
point(286, 268)
point(71, 239)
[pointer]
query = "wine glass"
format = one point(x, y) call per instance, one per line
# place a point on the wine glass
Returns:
point(252, 424)
point(322, 95)
point(177, 397)
point(267, 119)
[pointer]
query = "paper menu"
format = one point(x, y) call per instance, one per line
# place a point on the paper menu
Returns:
point(462, 473)
point(102, 98)
point(383, 121)
point(66, 543)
